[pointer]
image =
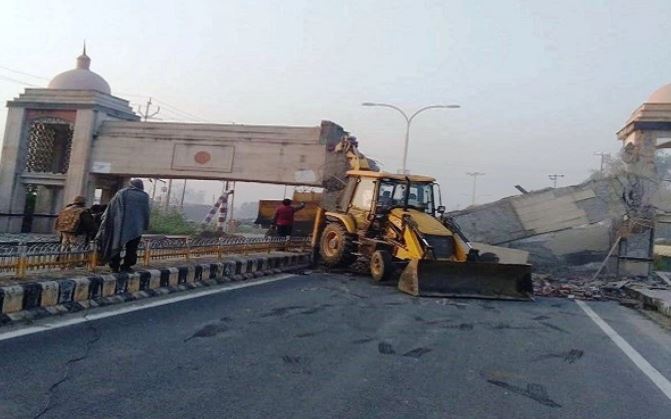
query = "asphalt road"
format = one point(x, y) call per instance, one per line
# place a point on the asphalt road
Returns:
point(334, 346)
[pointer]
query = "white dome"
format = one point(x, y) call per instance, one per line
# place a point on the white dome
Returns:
point(81, 78)
point(661, 95)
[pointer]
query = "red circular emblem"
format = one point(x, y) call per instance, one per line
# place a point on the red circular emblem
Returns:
point(202, 157)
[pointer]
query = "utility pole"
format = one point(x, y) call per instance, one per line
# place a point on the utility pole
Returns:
point(181, 201)
point(167, 197)
point(604, 158)
point(146, 115)
point(153, 189)
point(474, 175)
point(231, 225)
point(553, 177)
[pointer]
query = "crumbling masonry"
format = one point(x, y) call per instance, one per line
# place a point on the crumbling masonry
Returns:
point(621, 214)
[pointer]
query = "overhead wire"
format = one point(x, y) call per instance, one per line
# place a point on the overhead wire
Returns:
point(175, 110)
point(13, 80)
point(179, 111)
point(184, 115)
point(23, 73)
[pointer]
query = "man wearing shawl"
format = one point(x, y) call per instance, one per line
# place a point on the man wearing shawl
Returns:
point(122, 225)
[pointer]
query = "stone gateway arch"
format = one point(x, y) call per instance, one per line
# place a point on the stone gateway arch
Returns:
point(74, 137)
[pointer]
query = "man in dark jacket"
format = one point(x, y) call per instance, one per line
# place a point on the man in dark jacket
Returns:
point(284, 217)
point(122, 225)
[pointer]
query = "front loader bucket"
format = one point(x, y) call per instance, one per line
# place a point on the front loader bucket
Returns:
point(467, 279)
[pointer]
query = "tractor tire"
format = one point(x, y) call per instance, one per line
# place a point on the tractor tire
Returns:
point(381, 265)
point(336, 246)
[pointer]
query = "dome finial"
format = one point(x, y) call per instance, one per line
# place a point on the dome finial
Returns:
point(80, 78)
point(83, 61)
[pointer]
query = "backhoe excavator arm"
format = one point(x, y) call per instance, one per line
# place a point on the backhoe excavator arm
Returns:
point(357, 161)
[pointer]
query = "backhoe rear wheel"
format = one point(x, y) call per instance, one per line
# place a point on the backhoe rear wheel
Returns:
point(336, 246)
point(381, 265)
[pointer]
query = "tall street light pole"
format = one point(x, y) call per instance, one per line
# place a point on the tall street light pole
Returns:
point(408, 121)
point(474, 175)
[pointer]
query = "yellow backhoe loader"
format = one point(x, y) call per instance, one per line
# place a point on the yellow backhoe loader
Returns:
point(396, 222)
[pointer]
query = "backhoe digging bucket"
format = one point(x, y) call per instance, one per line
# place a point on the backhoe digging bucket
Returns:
point(467, 279)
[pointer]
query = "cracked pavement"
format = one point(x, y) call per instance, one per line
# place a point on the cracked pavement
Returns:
point(69, 366)
point(325, 345)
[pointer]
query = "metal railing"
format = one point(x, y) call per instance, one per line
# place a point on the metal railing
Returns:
point(23, 259)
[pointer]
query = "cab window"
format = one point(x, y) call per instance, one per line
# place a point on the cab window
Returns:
point(363, 196)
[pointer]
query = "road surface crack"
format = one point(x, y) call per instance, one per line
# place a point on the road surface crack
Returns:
point(533, 391)
point(67, 374)
point(208, 331)
point(571, 356)
point(385, 348)
point(417, 353)
point(554, 327)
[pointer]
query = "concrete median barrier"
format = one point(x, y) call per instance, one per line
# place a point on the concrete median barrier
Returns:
point(49, 296)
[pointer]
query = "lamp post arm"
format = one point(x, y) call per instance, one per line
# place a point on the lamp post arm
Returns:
point(424, 109)
point(399, 110)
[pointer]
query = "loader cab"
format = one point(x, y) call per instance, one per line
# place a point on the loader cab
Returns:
point(359, 200)
point(369, 194)
point(394, 193)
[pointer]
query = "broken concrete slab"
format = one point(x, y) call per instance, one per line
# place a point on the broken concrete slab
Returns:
point(658, 299)
point(570, 226)
point(506, 254)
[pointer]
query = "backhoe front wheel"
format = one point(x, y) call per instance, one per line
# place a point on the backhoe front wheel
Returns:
point(381, 265)
point(336, 246)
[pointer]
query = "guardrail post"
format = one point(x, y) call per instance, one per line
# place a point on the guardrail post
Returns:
point(187, 244)
point(220, 248)
point(146, 257)
point(22, 263)
point(93, 252)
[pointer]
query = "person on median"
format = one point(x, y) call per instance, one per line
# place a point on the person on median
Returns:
point(284, 217)
point(122, 225)
point(75, 223)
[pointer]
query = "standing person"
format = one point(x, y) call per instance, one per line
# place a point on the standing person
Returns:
point(284, 217)
point(97, 212)
point(75, 223)
point(122, 225)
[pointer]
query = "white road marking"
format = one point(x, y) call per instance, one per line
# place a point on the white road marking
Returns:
point(655, 376)
point(133, 306)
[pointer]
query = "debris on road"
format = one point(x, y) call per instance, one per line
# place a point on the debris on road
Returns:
point(584, 288)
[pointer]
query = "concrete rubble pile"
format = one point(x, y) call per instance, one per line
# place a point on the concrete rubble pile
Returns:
point(587, 288)
point(589, 241)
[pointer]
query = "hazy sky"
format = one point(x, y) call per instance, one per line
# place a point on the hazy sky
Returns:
point(543, 84)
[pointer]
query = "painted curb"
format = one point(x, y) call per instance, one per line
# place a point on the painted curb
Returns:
point(34, 300)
